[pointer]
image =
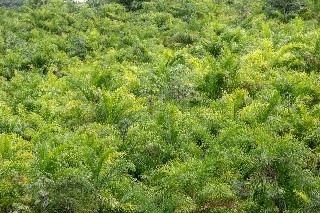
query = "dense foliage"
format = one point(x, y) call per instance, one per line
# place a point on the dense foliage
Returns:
point(160, 106)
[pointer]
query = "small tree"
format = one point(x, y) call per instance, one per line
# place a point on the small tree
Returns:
point(286, 6)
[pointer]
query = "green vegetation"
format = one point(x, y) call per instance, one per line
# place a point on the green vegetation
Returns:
point(160, 106)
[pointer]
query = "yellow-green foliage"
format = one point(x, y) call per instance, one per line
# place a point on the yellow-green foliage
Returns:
point(160, 106)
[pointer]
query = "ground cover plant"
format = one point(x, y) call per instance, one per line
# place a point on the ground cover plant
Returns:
point(160, 106)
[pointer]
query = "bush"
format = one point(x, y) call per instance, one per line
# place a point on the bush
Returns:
point(286, 6)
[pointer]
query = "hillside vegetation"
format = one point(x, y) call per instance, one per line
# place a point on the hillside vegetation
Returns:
point(160, 106)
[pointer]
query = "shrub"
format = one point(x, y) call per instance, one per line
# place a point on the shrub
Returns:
point(286, 6)
point(15, 166)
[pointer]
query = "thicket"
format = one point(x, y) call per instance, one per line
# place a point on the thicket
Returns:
point(160, 106)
